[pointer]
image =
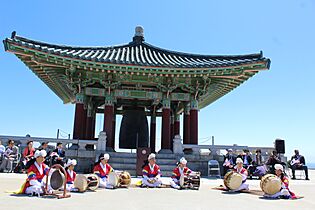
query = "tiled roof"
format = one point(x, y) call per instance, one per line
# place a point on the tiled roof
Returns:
point(140, 53)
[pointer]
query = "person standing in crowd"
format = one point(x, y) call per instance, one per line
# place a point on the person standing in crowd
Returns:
point(58, 155)
point(229, 161)
point(298, 162)
point(247, 159)
point(10, 154)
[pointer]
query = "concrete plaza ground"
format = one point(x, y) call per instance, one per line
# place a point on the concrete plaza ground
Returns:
point(163, 198)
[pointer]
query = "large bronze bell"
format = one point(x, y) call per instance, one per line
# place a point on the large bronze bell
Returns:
point(134, 130)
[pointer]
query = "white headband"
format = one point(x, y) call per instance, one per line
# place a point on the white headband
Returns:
point(239, 160)
point(183, 160)
point(278, 167)
point(151, 156)
point(40, 153)
point(71, 162)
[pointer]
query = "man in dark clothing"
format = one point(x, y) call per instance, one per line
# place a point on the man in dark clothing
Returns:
point(44, 146)
point(298, 162)
point(229, 161)
point(272, 161)
point(58, 155)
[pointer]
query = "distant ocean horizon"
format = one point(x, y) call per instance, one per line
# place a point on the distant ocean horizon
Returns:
point(311, 165)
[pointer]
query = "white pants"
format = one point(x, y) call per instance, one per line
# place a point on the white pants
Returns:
point(243, 186)
point(104, 183)
point(175, 183)
point(283, 192)
point(37, 187)
point(157, 183)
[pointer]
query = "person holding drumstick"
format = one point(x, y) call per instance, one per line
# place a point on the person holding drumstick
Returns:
point(180, 170)
point(102, 169)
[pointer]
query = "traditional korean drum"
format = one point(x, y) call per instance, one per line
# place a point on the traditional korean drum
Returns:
point(270, 184)
point(191, 181)
point(232, 180)
point(85, 182)
point(119, 178)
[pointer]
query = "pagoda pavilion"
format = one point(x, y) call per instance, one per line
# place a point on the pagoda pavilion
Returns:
point(135, 80)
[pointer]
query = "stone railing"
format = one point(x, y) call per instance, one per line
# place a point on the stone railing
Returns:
point(179, 148)
point(69, 144)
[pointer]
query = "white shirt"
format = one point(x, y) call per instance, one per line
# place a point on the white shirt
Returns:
point(70, 173)
point(103, 167)
point(39, 168)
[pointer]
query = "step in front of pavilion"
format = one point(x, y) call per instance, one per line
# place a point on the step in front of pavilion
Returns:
point(128, 162)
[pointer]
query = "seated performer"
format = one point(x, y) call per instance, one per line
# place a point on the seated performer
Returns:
point(180, 170)
point(298, 162)
point(243, 172)
point(102, 169)
point(35, 175)
point(284, 193)
point(151, 173)
point(71, 174)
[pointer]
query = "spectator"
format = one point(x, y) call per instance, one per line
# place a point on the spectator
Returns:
point(257, 168)
point(298, 162)
point(258, 160)
point(2, 150)
point(58, 155)
point(247, 159)
point(229, 161)
point(272, 161)
point(10, 154)
point(44, 146)
point(28, 152)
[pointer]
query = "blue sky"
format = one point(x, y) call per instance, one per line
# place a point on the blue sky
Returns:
point(278, 103)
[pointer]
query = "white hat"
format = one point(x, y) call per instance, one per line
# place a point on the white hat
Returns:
point(71, 162)
point(278, 167)
point(183, 160)
point(106, 156)
point(151, 156)
point(239, 160)
point(40, 153)
point(230, 150)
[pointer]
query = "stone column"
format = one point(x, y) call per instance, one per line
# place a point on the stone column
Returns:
point(153, 131)
point(108, 122)
point(187, 124)
point(166, 127)
point(114, 125)
point(176, 124)
point(193, 122)
point(172, 129)
point(79, 117)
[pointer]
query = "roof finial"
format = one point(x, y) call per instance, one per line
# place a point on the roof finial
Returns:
point(138, 38)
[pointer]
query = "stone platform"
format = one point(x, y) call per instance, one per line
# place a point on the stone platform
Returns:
point(163, 198)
